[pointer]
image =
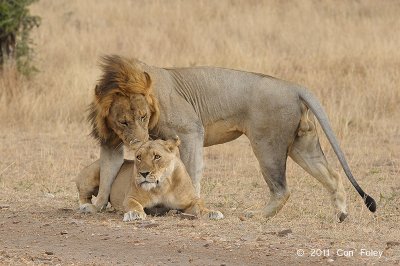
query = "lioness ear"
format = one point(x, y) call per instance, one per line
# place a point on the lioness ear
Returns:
point(172, 144)
point(148, 81)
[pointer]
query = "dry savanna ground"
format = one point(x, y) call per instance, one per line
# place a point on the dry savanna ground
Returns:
point(346, 52)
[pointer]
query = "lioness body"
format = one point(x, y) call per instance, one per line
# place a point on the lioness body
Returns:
point(167, 183)
point(205, 106)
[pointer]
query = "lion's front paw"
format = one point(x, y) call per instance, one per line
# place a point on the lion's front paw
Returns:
point(87, 208)
point(215, 215)
point(134, 215)
point(100, 204)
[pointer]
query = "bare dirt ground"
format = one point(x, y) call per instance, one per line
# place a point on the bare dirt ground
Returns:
point(39, 222)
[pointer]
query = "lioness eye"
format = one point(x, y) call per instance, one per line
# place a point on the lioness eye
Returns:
point(143, 118)
point(157, 157)
point(139, 157)
point(124, 123)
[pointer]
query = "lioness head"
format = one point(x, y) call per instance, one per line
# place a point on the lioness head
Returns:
point(155, 162)
point(124, 107)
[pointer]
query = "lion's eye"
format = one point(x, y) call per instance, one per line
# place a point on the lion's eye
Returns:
point(139, 157)
point(124, 123)
point(143, 118)
point(157, 157)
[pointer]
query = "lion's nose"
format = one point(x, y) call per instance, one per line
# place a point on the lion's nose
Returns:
point(144, 174)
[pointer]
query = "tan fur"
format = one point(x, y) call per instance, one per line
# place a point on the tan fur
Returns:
point(167, 183)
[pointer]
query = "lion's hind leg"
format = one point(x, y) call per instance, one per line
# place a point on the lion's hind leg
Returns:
point(306, 152)
point(272, 160)
point(87, 183)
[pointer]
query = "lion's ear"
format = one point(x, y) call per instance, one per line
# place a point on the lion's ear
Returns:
point(97, 90)
point(173, 144)
point(148, 81)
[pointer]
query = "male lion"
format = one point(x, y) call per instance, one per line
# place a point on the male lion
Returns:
point(205, 106)
point(156, 177)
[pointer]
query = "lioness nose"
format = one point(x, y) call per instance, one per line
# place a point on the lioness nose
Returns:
point(144, 174)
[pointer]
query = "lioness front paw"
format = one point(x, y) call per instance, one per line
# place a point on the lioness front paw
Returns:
point(215, 215)
point(87, 208)
point(134, 215)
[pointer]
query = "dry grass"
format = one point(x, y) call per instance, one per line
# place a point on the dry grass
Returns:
point(346, 52)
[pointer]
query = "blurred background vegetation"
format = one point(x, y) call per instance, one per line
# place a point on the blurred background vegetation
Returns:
point(16, 22)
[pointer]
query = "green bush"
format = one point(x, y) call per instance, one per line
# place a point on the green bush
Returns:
point(15, 26)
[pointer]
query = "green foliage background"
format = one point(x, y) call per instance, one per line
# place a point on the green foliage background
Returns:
point(15, 26)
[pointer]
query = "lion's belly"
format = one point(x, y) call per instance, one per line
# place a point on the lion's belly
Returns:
point(220, 132)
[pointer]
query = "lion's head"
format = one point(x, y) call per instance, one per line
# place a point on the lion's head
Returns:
point(155, 162)
point(124, 106)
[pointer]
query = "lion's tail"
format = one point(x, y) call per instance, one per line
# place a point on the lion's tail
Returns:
point(312, 102)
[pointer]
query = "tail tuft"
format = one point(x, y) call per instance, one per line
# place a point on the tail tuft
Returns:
point(370, 202)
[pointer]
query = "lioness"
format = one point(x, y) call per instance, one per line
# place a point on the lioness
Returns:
point(205, 106)
point(156, 177)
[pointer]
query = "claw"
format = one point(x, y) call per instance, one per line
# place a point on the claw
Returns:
point(342, 217)
point(133, 215)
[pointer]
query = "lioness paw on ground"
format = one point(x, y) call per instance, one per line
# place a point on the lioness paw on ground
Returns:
point(134, 215)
